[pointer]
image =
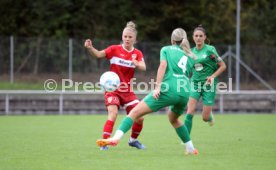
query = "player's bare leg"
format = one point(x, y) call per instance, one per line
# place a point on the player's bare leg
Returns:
point(207, 115)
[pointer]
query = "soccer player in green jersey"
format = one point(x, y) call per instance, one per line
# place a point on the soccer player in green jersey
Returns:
point(172, 89)
point(208, 66)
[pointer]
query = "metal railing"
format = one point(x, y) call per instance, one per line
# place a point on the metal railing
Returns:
point(235, 101)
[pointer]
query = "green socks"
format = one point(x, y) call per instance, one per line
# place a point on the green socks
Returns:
point(210, 117)
point(189, 122)
point(183, 133)
point(126, 124)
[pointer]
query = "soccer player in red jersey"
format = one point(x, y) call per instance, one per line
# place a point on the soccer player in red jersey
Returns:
point(124, 59)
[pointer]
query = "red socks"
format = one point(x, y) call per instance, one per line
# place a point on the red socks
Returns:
point(108, 128)
point(136, 129)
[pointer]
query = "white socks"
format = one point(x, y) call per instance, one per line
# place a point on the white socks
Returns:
point(189, 146)
point(118, 134)
point(132, 139)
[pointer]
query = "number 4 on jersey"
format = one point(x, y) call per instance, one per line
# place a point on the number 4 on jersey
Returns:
point(182, 63)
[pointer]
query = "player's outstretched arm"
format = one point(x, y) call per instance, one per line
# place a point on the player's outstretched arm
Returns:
point(93, 51)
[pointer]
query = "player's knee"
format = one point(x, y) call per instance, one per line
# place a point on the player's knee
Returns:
point(112, 115)
point(140, 120)
point(173, 122)
point(176, 123)
point(136, 115)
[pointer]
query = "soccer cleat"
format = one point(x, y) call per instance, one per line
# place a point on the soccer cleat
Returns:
point(106, 142)
point(104, 148)
point(194, 152)
point(136, 144)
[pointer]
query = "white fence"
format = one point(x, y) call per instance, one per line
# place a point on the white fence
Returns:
point(17, 102)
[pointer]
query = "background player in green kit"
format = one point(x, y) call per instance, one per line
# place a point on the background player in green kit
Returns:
point(208, 66)
point(172, 89)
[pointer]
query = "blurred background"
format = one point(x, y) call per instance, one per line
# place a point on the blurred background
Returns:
point(43, 39)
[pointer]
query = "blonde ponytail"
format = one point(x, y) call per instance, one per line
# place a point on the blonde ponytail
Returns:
point(180, 37)
point(186, 47)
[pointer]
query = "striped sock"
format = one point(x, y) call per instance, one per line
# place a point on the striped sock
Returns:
point(108, 128)
point(136, 129)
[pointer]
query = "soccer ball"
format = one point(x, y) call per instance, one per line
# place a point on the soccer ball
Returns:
point(110, 81)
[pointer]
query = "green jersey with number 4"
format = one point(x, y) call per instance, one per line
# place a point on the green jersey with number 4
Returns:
point(179, 68)
point(206, 62)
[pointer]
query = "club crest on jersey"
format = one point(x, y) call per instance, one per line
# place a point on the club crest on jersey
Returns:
point(204, 56)
point(198, 67)
point(109, 99)
point(134, 56)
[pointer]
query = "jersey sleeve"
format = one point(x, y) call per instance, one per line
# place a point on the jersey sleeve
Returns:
point(213, 54)
point(140, 56)
point(109, 51)
point(163, 55)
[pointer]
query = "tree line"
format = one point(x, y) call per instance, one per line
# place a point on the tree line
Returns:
point(155, 19)
point(48, 24)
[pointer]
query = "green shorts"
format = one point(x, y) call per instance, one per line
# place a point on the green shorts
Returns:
point(177, 103)
point(207, 92)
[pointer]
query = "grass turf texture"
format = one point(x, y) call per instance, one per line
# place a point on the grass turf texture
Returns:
point(68, 142)
point(21, 86)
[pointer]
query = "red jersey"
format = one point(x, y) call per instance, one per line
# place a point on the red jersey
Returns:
point(121, 63)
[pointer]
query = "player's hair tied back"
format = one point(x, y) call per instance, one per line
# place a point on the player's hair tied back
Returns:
point(200, 28)
point(131, 25)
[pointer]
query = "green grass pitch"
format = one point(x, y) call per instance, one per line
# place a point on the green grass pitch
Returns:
point(243, 141)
